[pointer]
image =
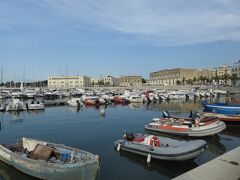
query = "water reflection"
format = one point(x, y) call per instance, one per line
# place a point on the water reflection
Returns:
point(168, 168)
point(10, 173)
point(177, 107)
point(233, 130)
point(18, 120)
point(135, 105)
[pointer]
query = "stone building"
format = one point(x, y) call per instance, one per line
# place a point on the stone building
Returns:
point(209, 73)
point(171, 76)
point(128, 81)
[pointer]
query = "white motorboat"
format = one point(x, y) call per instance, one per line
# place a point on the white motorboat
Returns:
point(16, 105)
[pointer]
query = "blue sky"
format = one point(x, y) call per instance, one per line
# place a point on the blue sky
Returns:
point(107, 37)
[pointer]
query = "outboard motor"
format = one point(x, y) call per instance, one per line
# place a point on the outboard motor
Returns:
point(166, 114)
point(129, 136)
point(195, 118)
point(191, 114)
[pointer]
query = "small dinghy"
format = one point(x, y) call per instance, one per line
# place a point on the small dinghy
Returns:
point(161, 148)
point(50, 161)
point(184, 127)
point(194, 126)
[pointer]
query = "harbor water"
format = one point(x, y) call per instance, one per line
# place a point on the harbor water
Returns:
point(90, 129)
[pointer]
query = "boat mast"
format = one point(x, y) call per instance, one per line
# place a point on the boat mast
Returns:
point(1, 78)
point(24, 73)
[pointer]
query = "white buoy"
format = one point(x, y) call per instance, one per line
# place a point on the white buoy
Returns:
point(149, 158)
point(119, 147)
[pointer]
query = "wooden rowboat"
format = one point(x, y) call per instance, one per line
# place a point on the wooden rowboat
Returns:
point(50, 161)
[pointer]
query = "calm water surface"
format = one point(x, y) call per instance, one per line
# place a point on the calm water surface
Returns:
point(87, 130)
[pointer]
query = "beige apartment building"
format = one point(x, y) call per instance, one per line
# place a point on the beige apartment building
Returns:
point(222, 70)
point(128, 81)
point(65, 82)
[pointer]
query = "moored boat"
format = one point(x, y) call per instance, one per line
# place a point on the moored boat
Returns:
point(222, 108)
point(2, 107)
point(75, 102)
point(50, 161)
point(161, 148)
point(230, 120)
point(120, 100)
point(35, 106)
point(184, 127)
point(16, 105)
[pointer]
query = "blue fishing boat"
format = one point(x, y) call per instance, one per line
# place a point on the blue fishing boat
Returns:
point(222, 108)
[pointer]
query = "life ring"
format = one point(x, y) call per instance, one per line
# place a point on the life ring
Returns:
point(155, 141)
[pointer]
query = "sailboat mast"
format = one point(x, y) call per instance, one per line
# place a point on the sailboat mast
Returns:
point(1, 78)
point(24, 74)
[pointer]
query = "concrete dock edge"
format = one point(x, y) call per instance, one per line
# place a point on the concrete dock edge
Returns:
point(225, 167)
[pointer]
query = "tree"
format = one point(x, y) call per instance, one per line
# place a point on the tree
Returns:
point(178, 82)
point(194, 80)
point(190, 81)
point(100, 83)
point(203, 79)
point(217, 79)
point(107, 84)
point(184, 80)
point(225, 78)
point(143, 80)
point(208, 80)
point(234, 78)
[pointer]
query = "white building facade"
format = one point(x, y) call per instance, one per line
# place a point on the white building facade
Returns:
point(66, 82)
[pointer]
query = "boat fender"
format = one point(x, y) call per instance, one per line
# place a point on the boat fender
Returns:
point(118, 147)
point(149, 158)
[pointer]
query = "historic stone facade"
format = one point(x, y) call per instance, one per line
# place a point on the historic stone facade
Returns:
point(128, 81)
point(171, 76)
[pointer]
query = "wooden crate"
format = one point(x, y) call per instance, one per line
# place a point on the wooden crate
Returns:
point(41, 152)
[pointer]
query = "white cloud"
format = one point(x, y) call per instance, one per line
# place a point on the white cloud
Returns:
point(158, 22)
